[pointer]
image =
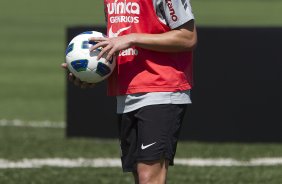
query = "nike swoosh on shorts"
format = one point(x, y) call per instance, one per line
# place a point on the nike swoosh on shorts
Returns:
point(148, 145)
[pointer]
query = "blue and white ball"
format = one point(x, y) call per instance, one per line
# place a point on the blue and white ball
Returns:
point(83, 63)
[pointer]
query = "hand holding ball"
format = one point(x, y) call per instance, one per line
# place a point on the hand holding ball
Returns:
point(83, 63)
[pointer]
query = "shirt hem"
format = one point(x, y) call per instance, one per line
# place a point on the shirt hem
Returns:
point(157, 102)
point(133, 90)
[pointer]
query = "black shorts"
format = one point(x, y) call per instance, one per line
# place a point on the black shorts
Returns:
point(149, 133)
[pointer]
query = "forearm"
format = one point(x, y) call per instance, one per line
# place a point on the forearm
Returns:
point(183, 38)
point(173, 41)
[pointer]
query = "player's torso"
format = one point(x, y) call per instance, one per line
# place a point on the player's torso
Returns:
point(130, 16)
point(136, 64)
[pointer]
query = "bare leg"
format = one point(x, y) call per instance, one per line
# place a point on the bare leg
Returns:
point(135, 175)
point(152, 172)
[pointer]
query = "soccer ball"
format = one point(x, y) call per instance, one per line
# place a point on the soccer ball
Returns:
point(83, 63)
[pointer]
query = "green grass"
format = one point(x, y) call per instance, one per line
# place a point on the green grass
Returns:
point(32, 46)
point(20, 142)
point(17, 143)
point(238, 13)
point(177, 175)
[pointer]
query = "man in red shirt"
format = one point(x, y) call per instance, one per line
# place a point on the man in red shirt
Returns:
point(152, 41)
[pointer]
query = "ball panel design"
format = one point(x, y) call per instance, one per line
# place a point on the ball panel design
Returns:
point(69, 48)
point(102, 69)
point(85, 45)
point(80, 65)
point(87, 32)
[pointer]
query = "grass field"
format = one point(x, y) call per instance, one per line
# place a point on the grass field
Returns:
point(26, 142)
point(179, 175)
point(51, 142)
point(32, 41)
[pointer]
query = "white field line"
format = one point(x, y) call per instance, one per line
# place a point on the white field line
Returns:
point(115, 162)
point(35, 124)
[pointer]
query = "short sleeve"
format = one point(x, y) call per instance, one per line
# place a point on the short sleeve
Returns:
point(176, 12)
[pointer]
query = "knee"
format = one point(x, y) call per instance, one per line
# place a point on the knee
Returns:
point(152, 172)
point(144, 176)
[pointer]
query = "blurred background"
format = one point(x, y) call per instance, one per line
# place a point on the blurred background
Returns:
point(33, 102)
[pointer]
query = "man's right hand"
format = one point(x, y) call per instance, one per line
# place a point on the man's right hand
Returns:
point(76, 81)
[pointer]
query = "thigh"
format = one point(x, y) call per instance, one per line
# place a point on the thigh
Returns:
point(127, 126)
point(158, 131)
point(152, 171)
point(149, 134)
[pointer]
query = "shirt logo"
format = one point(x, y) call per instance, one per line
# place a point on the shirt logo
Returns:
point(123, 11)
point(123, 8)
point(126, 52)
point(171, 10)
point(144, 147)
point(112, 34)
